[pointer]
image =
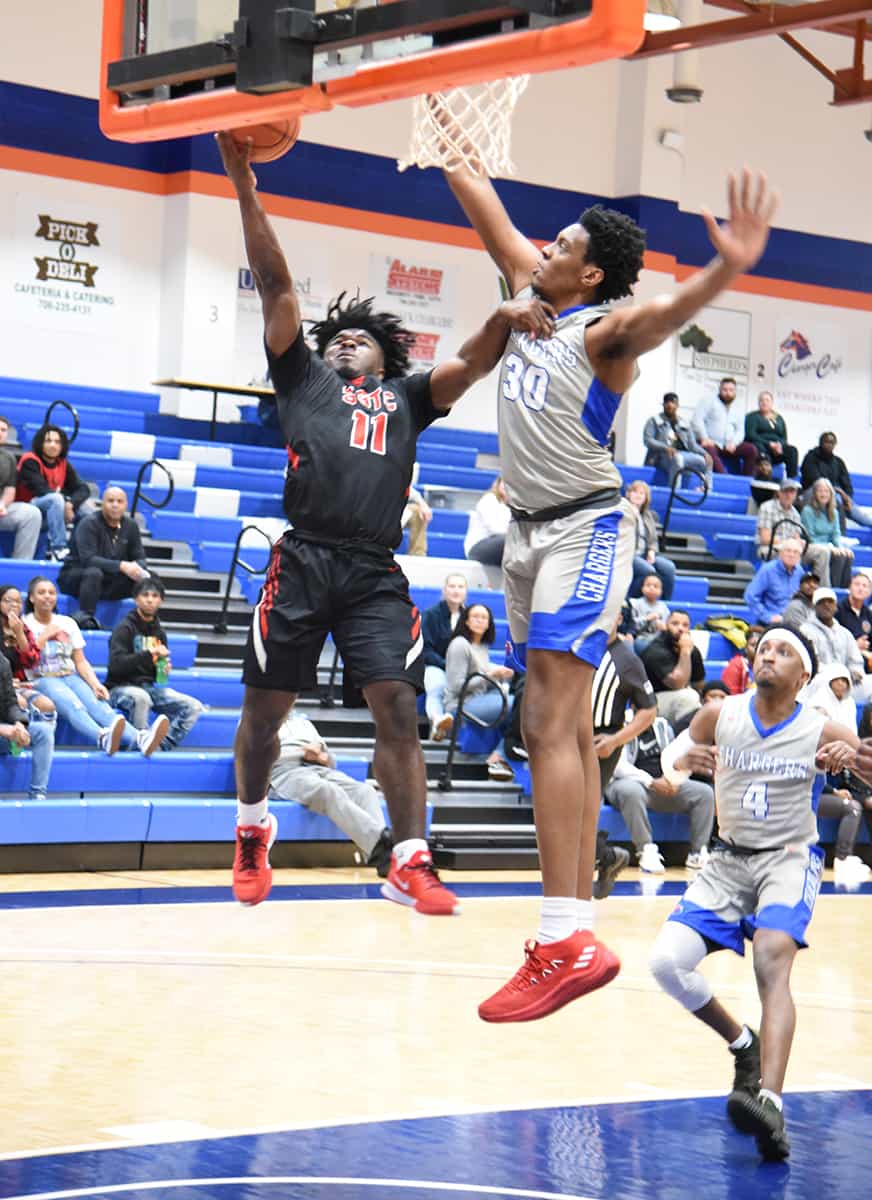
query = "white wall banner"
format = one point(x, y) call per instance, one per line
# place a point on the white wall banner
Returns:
point(717, 342)
point(821, 378)
point(421, 293)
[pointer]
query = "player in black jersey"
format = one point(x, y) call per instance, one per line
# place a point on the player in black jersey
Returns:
point(351, 418)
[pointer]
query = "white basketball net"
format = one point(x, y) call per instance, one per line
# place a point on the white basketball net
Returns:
point(467, 127)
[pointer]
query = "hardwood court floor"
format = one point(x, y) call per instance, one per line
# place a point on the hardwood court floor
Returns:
point(163, 1020)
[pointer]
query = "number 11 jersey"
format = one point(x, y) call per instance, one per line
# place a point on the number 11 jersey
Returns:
point(351, 446)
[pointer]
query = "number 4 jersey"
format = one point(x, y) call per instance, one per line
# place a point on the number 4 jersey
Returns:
point(765, 777)
point(555, 416)
point(351, 446)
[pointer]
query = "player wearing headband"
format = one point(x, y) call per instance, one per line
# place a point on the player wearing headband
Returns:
point(765, 751)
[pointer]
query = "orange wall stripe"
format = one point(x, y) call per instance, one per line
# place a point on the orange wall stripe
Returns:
point(202, 183)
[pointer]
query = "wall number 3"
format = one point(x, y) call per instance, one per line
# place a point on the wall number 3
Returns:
point(525, 382)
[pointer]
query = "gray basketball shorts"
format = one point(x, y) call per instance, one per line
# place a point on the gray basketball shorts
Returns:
point(565, 581)
point(736, 894)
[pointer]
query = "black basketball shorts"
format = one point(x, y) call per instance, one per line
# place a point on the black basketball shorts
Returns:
point(312, 590)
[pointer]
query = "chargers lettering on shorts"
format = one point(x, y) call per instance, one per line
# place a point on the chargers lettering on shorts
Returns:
point(597, 570)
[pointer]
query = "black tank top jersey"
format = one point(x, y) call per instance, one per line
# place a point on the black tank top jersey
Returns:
point(351, 446)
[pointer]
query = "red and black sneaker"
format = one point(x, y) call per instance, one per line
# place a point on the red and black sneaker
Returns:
point(252, 874)
point(417, 884)
point(553, 974)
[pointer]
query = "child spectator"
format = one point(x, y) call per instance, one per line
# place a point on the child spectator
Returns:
point(648, 612)
point(738, 675)
point(139, 666)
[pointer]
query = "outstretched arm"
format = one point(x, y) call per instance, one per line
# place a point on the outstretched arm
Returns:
point(628, 332)
point(480, 353)
point(281, 311)
point(513, 254)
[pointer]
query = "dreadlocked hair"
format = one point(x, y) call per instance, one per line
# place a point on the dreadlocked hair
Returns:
point(617, 244)
point(394, 340)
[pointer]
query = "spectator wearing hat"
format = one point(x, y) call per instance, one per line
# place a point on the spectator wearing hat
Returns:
point(139, 667)
point(834, 644)
point(713, 691)
point(765, 429)
point(671, 445)
point(769, 592)
point(720, 430)
point(800, 608)
point(855, 615)
point(781, 517)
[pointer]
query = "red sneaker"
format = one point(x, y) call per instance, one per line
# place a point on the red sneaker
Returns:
point(418, 885)
point(553, 974)
point(252, 874)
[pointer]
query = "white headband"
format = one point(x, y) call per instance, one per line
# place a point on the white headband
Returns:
point(787, 635)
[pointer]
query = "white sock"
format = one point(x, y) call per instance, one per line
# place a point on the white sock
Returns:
point(403, 851)
point(252, 814)
point(743, 1041)
point(558, 918)
point(765, 1094)
point(584, 914)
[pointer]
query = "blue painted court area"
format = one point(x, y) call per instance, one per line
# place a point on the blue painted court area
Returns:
point(102, 897)
point(653, 1150)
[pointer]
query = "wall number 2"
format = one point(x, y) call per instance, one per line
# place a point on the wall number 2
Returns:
point(369, 433)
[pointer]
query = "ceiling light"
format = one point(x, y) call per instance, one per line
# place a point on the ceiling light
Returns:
point(661, 15)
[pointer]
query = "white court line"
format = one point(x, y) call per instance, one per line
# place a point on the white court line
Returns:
point(324, 1181)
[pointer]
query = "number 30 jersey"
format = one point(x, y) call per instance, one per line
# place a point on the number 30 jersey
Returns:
point(555, 416)
point(351, 446)
point(765, 777)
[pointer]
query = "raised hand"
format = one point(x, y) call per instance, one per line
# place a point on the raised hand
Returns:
point(237, 160)
point(699, 760)
point(752, 205)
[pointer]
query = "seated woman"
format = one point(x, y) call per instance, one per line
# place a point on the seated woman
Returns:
point(820, 520)
point(47, 479)
point(65, 676)
point(20, 648)
point(488, 522)
point(468, 652)
point(766, 431)
point(646, 557)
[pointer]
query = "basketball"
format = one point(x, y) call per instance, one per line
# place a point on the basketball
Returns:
point(269, 142)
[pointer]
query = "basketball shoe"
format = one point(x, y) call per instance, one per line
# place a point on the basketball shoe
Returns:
point(553, 974)
point(746, 1076)
point(417, 885)
point(252, 874)
point(757, 1115)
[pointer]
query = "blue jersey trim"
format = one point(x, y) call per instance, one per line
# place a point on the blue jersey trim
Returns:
point(761, 728)
point(599, 410)
point(567, 312)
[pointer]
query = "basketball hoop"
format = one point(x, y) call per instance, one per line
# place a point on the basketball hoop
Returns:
point(466, 127)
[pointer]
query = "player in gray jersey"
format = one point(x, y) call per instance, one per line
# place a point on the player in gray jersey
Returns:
point(765, 751)
point(568, 555)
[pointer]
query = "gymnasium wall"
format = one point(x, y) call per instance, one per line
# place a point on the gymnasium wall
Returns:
point(170, 248)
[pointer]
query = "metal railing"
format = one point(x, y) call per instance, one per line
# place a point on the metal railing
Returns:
point(138, 493)
point(46, 420)
point(328, 700)
point(798, 532)
point(673, 495)
point(221, 625)
point(444, 782)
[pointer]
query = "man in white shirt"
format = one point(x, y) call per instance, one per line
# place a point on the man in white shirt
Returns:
point(720, 430)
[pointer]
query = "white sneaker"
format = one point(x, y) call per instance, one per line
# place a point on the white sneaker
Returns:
point(850, 870)
point(61, 554)
point(148, 740)
point(109, 739)
point(696, 862)
point(651, 859)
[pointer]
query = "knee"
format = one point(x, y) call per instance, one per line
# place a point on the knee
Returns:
point(43, 705)
point(395, 712)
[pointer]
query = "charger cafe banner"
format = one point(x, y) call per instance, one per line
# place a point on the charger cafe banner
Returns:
point(820, 376)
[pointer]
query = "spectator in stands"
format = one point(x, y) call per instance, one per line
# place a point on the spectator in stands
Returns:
point(648, 612)
point(638, 785)
point(822, 462)
point(712, 691)
point(48, 479)
point(417, 515)
point(671, 444)
point(763, 486)
point(821, 523)
point(646, 556)
point(855, 615)
point(835, 644)
point(780, 517)
point(305, 772)
point(719, 429)
point(16, 516)
point(800, 607)
point(438, 625)
point(16, 729)
point(766, 431)
point(106, 558)
point(676, 670)
point(738, 675)
point(21, 651)
point(139, 666)
point(488, 522)
point(468, 653)
point(64, 674)
point(769, 592)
